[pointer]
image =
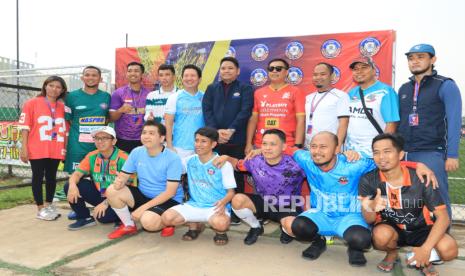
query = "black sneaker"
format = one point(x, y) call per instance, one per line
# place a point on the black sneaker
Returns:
point(285, 238)
point(356, 257)
point(317, 247)
point(235, 220)
point(253, 234)
point(82, 223)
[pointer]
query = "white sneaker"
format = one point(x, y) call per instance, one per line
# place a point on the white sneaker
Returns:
point(54, 210)
point(46, 214)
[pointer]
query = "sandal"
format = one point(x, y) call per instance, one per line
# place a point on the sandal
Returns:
point(385, 266)
point(193, 234)
point(221, 239)
point(429, 270)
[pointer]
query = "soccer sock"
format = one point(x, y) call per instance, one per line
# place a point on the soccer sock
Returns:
point(247, 215)
point(124, 215)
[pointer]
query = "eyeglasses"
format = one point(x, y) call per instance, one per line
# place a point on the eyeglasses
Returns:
point(277, 68)
point(102, 139)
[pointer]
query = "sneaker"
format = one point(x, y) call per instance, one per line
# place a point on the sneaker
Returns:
point(263, 221)
point(46, 214)
point(72, 215)
point(167, 231)
point(253, 234)
point(329, 240)
point(53, 209)
point(285, 238)
point(82, 223)
point(235, 220)
point(123, 230)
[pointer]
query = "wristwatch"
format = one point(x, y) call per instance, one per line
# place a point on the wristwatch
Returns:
point(299, 145)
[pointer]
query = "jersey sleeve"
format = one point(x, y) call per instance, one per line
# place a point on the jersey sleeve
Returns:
point(148, 106)
point(26, 119)
point(303, 159)
point(170, 107)
point(342, 107)
point(227, 172)
point(366, 187)
point(130, 164)
point(366, 164)
point(175, 169)
point(116, 101)
point(84, 165)
point(432, 198)
point(69, 108)
point(390, 106)
point(256, 102)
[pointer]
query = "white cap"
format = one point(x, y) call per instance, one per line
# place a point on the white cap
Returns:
point(106, 129)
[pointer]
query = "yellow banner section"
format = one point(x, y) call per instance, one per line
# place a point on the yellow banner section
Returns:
point(213, 63)
point(148, 55)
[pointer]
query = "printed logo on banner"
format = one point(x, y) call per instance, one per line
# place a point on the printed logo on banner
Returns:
point(294, 75)
point(260, 52)
point(258, 77)
point(294, 50)
point(331, 48)
point(231, 52)
point(369, 46)
point(337, 75)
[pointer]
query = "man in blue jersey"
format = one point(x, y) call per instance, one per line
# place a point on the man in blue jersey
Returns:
point(183, 113)
point(159, 172)
point(381, 102)
point(210, 188)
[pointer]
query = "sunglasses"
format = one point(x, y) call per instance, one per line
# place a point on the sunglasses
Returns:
point(277, 68)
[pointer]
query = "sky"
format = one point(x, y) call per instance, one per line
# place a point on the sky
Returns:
point(70, 32)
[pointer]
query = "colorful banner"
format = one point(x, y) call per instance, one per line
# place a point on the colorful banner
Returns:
point(10, 144)
point(302, 53)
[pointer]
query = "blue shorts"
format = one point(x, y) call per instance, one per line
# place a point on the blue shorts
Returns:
point(334, 226)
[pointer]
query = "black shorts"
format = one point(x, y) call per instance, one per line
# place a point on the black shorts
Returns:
point(273, 213)
point(410, 238)
point(127, 145)
point(140, 199)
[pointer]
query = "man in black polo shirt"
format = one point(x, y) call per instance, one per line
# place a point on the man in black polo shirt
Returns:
point(400, 206)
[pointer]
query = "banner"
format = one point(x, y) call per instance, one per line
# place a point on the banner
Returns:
point(302, 53)
point(10, 144)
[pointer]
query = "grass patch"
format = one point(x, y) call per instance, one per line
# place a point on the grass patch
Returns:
point(20, 196)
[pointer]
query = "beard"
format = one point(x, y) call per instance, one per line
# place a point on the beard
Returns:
point(420, 71)
point(319, 86)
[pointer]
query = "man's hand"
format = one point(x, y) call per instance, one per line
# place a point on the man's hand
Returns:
point(253, 153)
point(374, 205)
point(99, 210)
point(248, 149)
point(137, 214)
point(126, 108)
point(352, 155)
point(24, 155)
point(219, 161)
point(422, 171)
point(73, 193)
point(421, 256)
point(119, 184)
point(220, 207)
point(225, 135)
point(452, 164)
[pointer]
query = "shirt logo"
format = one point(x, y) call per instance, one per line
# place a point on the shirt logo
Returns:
point(81, 107)
point(92, 120)
point(211, 171)
point(286, 95)
point(343, 180)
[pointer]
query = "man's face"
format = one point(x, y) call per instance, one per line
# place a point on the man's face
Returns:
point(91, 78)
point(190, 79)
point(150, 137)
point(228, 71)
point(272, 147)
point(420, 63)
point(363, 73)
point(134, 74)
point(386, 155)
point(274, 75)
point(323, 149)
point(203, 145)
point(322, 77)
point(166, 78)
point(104, 142)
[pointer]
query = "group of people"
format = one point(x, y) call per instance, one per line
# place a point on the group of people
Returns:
point(178, 156)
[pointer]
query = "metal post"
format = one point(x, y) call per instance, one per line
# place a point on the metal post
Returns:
point(18, 110)
point(126, 40)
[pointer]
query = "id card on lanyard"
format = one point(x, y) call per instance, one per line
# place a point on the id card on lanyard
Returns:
point(313, 107)
point(52, 115)
point(413, 118)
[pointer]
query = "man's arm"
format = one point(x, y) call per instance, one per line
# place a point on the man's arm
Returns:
point(207, 108)
point(390, 127)
point(73, 190)
point(246, 108)
point(169, 122)
point(342, 129)
point(251, 127)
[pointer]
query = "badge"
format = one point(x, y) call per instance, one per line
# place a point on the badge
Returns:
point(413, 119)
point(309, 129)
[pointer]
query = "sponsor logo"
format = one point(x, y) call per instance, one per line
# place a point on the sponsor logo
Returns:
point(286, 95)
point(294, 50)
point(337, 75)
point(260, 52)
point(92, 120)
point(331, 48)
point(211, 171)
point(359, 110)
point(79, 107)
point(343, 180)
point(369, 46)
point(231, 52)
point(258, 77)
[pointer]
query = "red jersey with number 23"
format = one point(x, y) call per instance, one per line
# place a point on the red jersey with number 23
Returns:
point(45, 140)
point(278, 109)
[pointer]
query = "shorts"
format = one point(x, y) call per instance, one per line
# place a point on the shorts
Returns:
point(127, 145)
point(196, 214)
point(274, 213)
point(334, 226)
point(410, 238)
point(140, 199)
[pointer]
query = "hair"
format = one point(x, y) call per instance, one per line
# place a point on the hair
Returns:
point(167, 67)
point(142, 68)
point(161, 128)
point(279, 59)
point(208, 132)
point(332, 135)
point(194, 67)
point(58, 79)
point(277, 132)
point(329, 66)
point(92, 67)
point(396, 140)
point(230, 59)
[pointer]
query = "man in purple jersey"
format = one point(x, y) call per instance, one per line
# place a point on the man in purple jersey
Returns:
point(278, 182)
point(127, 108)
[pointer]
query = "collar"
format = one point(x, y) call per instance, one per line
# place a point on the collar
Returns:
point(435, 73)
point(405, 175)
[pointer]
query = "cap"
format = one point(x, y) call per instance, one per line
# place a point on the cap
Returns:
point(106, 129)
point(422, 48)
point(362, 59)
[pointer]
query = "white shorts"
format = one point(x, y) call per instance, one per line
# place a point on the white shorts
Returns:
point(182, 153)
point(195, 214)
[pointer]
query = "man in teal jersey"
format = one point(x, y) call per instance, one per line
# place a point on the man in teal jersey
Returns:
point(86, 110)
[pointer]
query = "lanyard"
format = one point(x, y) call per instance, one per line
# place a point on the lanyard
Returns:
point(52, 110)
point(313, 107)
point(134, 103)
point(416, 91)
point(105, 169)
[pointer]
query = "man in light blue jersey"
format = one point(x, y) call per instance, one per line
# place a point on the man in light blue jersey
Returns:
point(183, 113)
point(381, 103)
point(210, 188)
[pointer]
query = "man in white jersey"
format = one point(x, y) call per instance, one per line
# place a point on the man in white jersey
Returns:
point(327, 109)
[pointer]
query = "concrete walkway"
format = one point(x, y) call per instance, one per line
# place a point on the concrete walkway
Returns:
point(33, 247)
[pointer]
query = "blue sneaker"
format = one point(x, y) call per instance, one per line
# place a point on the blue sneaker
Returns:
point(72, 215)
point(82, 223)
